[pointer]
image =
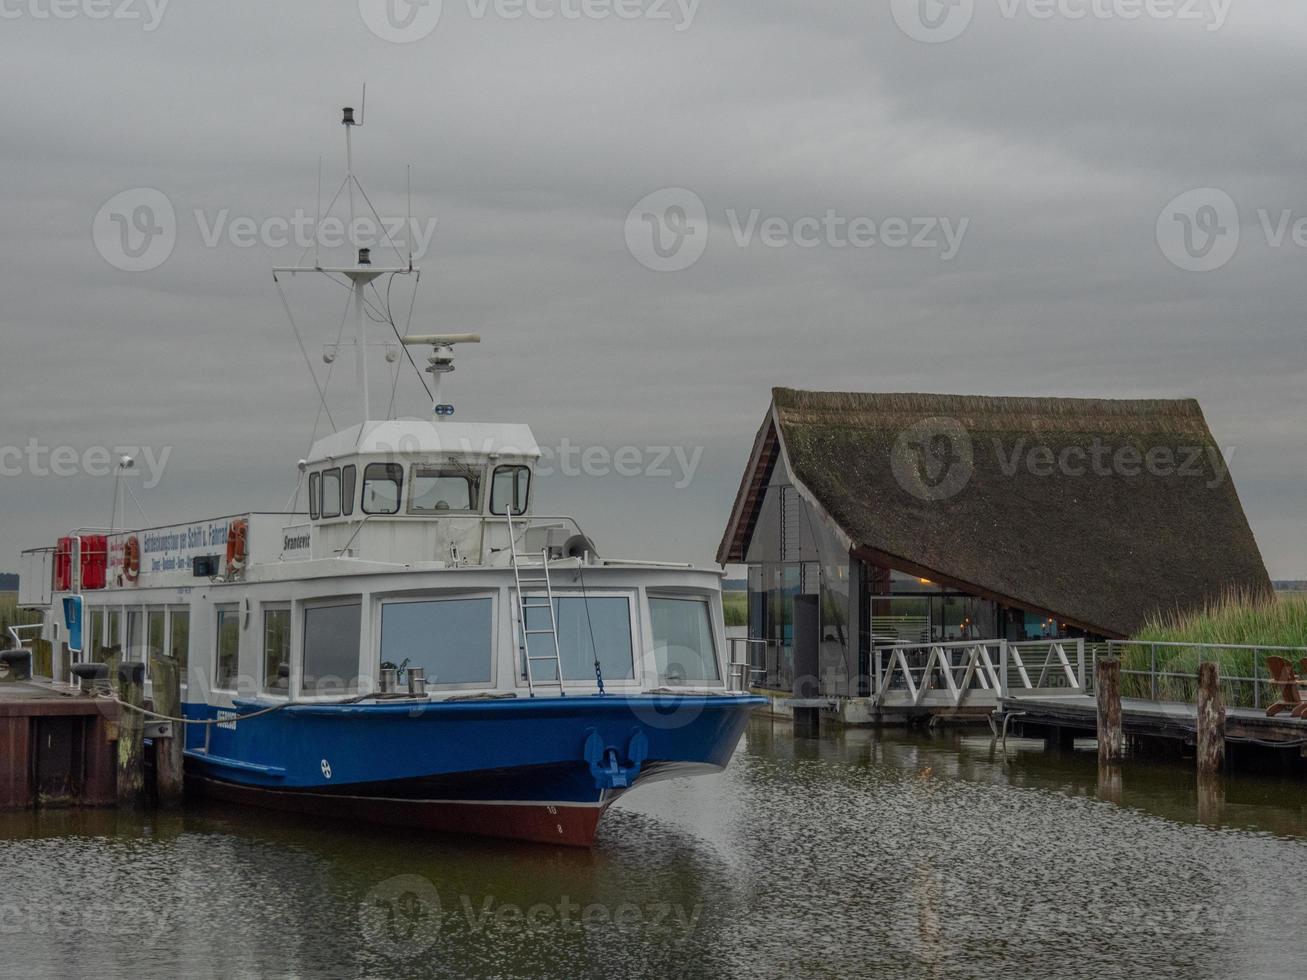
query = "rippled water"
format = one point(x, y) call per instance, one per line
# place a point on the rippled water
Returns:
point(856, 854)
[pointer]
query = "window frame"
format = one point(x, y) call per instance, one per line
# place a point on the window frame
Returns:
point(633, 617)
point(707, 601)
point(220, 611)
point(183, 662)
point(333, 473)
point(299, 646)
point(348, 488)
point(397, 481)
point(315, 501)
point(266, 689)
point(379, 629)
point(526, 495)
point(427, 470)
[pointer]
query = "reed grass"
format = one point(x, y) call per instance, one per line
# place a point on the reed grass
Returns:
point(1237, 619)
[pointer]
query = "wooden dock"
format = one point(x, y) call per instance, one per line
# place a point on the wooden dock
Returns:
point(1153, 719)
point(58, 747)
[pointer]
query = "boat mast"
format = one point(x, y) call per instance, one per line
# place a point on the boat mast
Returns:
point(360, 276)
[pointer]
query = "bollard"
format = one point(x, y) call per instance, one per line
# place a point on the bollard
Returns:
point(1211, 720)
point(165, 675)
point(1107, 690)
point(130, 688)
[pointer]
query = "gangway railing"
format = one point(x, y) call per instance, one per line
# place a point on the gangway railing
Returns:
point(1155, 670)
point(975, 673)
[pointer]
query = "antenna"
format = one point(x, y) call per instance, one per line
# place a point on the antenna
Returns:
point(441, 360)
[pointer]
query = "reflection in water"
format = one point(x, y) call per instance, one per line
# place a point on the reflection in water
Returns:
point(853, 854)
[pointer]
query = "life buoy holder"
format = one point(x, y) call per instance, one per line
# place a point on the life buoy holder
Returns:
point(237, 535)
point(132, 559)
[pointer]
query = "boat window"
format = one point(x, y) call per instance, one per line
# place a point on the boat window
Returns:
point(155, 631)
point(313, 496)
point(133, 649)
point(179, 638)
point(583, 624)
point(451, 639)
point(97, 635)
point(276, 650)
point(382, 486)
point(228, 648)
point(683, 641)
point(113, 637)
point(509, 488)
point(331, 492)
point(349, 477)
point(331, 649)
point(437, 490)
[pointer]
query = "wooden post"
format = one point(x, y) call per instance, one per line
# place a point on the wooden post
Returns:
point(1211, 720)
point(168, 762)
point(129, 682)
point(1107, 689)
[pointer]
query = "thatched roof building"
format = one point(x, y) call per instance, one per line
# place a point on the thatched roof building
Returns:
point(1097, 513)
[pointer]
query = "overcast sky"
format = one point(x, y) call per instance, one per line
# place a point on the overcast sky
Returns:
point(1035, 156)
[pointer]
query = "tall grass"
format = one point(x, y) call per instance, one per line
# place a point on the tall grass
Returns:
point(1237, 619)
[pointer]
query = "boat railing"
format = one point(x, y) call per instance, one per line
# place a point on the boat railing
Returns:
point(740, 669)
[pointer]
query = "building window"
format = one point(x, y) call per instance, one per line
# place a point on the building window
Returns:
point(451, 639)
point(276, 650)
point(113, 637)
point(314, 487)
point(227, 661)
point(510, 487)
point(583, 624)
point(179, 638)
point(438, 490)
point(348, 477)
point(382, 487)
point(331, 648)
point(683, 641)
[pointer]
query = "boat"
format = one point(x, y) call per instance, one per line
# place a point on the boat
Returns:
point(413, 643)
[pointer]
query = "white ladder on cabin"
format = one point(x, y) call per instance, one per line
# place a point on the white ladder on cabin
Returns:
point(525, 602)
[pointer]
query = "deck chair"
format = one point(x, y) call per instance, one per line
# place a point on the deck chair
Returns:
point(1282, 676)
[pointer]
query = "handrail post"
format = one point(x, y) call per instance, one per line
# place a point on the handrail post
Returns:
point(1152, 670)
point(1002, 670)
point(1257, 680)
point(1080, 663)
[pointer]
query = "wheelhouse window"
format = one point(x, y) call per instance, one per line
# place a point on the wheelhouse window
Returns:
point(276, 650)
point(349, 476)
point(382, 487)
point(510, 487)
point(451, 639)
point(227, 663)
point(331, 492)
point(315, 485)
point(437, 490)
point(331, 648)
point(684, 649)
point(584, 625)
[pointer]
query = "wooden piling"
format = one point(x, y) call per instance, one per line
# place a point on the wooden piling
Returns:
point(1211, 720)
point(165, 680)
point(129, 685)
point(1107, 690)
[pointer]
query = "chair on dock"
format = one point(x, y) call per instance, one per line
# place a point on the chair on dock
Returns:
point(1291, 700)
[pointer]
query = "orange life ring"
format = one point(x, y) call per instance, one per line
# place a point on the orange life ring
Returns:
point(132, 559)
point(237, 533)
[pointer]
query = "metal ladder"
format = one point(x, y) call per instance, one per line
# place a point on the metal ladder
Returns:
point(524, 603)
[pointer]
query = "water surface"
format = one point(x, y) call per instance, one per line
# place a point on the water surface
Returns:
point(854, 854)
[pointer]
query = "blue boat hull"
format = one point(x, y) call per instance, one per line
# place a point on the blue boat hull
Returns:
point(541, 769)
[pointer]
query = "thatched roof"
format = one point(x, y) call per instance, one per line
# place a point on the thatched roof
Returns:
point(1100, 512)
